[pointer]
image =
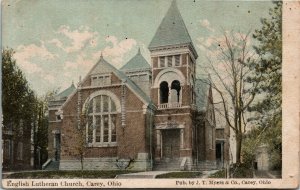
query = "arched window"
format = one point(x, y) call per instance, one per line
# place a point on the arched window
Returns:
point(164, 92)
point(102, 118)
point(175, 91)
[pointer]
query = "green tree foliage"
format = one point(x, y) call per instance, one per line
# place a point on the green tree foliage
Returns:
point(268, 116)
point(269, 49)
point(23, 112)
point(18, 105)
point(270, 136)
point(17, 97)
point(41, 130)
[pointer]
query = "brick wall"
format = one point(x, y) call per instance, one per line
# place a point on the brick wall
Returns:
point(53, 126)
point(180, 116)
point(154, 95)
point(131, 139)
point(12, 161)
point(154, 62)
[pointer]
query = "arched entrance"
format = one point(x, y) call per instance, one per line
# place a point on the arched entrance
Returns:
point(170, 144)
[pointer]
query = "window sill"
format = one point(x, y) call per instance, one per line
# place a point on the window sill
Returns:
point(91, 145)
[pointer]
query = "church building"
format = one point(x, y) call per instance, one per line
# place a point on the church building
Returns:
point(143, 116)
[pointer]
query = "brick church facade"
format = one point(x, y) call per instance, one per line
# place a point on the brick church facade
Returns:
point(142, 116)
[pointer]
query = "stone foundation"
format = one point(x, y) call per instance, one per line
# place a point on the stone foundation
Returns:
point(106, 164)
point(89, 164)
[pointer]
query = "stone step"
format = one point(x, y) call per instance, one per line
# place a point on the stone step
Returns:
point(134, 177)
point(204, 166)
point(170, 165)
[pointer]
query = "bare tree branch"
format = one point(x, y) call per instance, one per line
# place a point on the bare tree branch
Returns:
point(230, 69)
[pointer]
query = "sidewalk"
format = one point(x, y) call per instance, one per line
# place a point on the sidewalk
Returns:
point(265, 174)
point(6, 173)
point(153, 174)
point(206, 174)
point(145, 175)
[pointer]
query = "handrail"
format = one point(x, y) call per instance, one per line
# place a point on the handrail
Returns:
point(46, 163)
point(169, 105)
point(183, 163)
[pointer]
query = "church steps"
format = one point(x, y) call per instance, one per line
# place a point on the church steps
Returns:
point(167, 165)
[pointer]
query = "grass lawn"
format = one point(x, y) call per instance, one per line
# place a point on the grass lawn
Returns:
point(236, 172)
point(67, 174)
point(218, 174)
point(180, 175)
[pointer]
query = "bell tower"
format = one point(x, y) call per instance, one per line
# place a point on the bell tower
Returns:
point(173, 59)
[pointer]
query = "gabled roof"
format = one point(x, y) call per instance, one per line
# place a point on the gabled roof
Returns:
point(136, 63)
point(102, 66)
point(202, 91)
point(171, 30)
point(64, 94)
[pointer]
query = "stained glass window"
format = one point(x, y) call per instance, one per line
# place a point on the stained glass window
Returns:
point(102, 120)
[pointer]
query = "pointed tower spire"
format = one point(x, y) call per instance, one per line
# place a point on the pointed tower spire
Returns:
point(172, 30)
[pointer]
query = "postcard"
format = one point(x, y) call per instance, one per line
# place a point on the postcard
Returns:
point(150, 94)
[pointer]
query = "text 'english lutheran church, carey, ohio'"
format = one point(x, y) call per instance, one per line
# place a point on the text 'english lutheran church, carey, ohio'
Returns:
point(156, 116)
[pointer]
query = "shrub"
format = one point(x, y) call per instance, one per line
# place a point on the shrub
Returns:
point(241, 171)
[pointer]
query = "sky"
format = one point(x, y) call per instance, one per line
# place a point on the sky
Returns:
point(57, 41)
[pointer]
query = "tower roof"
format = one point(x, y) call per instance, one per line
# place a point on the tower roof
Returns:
point(171, 30)
point(136, 63)
point(65, 93)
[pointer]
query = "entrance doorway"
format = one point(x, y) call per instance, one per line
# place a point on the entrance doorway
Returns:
point(219, 154)
point(57, 146)
point(170, 144)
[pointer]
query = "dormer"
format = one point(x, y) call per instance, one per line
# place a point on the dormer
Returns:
point(100, 79)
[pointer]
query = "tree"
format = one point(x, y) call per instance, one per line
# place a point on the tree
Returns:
point(81, 141)
point(268, 109)
point(15, 89)
point(18, 103)
point(230, 57)
point(23, 111)
point(270, 136)
point(41, 128)
point(82, 122)
point(269, 67)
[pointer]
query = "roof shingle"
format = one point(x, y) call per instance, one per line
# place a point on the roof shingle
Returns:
point(103, 66)
point(64, 94)
point(172, 30)
point(136, 63)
